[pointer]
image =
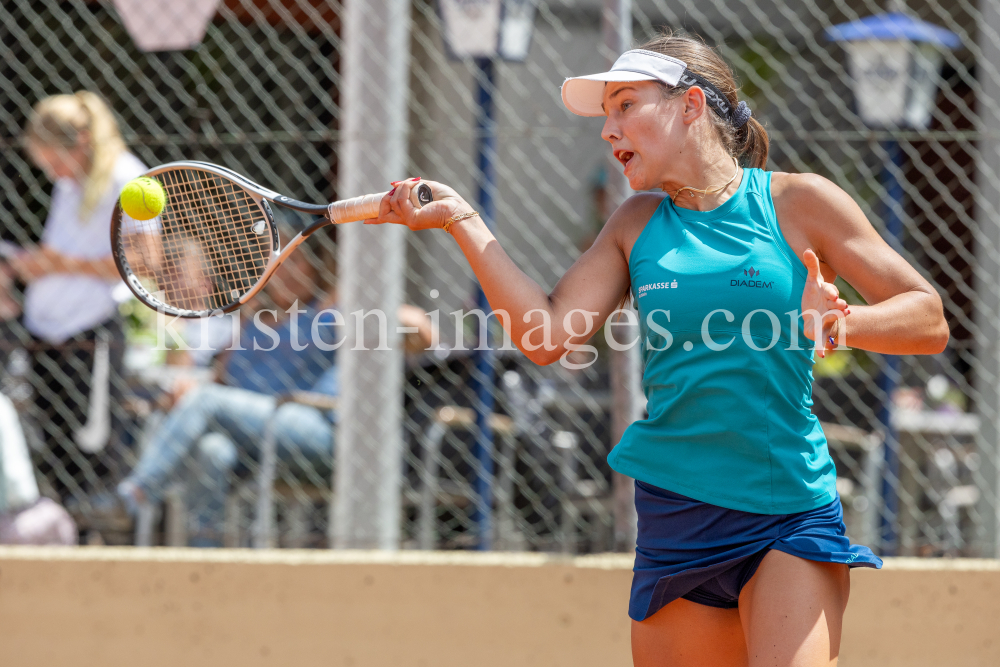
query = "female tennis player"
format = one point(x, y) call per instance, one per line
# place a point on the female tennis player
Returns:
point(741, 557)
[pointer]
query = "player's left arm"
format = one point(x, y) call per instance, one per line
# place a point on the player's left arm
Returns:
point(904, 314)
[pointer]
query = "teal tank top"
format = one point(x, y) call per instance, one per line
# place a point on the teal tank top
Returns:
point(727, 369)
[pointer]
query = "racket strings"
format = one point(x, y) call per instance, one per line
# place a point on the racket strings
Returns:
point(217, 212)
point(208, 247)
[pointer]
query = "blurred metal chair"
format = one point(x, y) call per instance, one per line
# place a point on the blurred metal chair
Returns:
point(581, 498)
point(453, 418)
point(860, 496)
point(263, 530)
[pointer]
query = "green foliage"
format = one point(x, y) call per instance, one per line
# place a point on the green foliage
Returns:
point(140, 322)
point(751, 66)
point(848, 293)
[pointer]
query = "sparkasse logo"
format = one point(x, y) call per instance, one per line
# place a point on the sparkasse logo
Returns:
point(749, 280)
point(647, 288)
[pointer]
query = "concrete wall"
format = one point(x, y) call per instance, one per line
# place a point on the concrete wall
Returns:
point(130, 607)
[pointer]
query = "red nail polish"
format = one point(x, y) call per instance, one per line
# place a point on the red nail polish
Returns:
point(392, 191)
point(416, 178)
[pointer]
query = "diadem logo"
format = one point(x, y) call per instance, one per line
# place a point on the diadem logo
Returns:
point(748, 280)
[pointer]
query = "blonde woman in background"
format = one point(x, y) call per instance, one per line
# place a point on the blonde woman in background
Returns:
point(74, 333)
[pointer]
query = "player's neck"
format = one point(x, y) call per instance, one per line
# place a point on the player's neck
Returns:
point(706, 183)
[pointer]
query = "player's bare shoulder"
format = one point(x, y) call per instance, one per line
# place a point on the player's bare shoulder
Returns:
point(792, 191)
point(627, 223)
point(811, 205)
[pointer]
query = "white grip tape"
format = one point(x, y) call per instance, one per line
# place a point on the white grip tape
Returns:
point(354, 209)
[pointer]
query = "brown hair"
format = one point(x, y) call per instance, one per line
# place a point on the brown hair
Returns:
point(748, 143)
point(61, 121)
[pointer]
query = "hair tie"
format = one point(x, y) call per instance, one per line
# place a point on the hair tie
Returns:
point(741, 114)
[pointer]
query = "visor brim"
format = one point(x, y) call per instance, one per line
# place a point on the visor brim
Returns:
point(583, 95)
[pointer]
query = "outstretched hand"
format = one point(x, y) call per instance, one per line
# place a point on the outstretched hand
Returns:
point(397, 207)
point(822, 308)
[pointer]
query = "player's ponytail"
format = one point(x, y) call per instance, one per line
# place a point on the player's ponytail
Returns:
point(741, 134)
point(64, 121)
point(754, 144)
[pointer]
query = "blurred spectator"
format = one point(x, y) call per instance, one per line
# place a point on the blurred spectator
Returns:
point(25, 516)
point(280, 351)
point(70, 313)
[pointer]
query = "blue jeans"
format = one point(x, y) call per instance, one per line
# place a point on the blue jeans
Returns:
point(198, 443)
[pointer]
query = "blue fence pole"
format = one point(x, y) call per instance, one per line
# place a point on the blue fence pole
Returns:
point(484, 373)
point(889, 377)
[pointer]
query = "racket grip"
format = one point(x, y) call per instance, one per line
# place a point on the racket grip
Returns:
point(366, 207)
point(354, 209)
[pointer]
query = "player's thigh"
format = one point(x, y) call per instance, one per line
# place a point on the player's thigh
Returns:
point(792, 611)
point(686, 634)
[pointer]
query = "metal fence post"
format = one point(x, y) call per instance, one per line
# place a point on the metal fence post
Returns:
point(616, 28)
point(889, 378)
point(484, 377)
point(986, 368)
point(373, 151)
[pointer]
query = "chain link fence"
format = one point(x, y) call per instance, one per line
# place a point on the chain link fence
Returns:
point(914, 438)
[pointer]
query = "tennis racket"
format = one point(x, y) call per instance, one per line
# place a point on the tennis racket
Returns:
point(215, 245)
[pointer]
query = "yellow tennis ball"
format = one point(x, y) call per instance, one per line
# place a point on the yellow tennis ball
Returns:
point(143, 198)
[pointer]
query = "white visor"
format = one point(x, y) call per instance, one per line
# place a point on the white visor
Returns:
point(583, 94)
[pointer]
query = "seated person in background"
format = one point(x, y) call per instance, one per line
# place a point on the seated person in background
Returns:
point(211, 423)
point(74, 332)
point(25, 516)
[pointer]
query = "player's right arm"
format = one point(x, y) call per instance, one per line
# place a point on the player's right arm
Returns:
point(541, 324)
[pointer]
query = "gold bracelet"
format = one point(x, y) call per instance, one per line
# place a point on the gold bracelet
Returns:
point(457, 218)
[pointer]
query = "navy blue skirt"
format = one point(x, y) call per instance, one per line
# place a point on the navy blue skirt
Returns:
point(705, 553)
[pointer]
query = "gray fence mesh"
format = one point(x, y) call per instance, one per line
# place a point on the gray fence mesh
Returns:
point(914, 438)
